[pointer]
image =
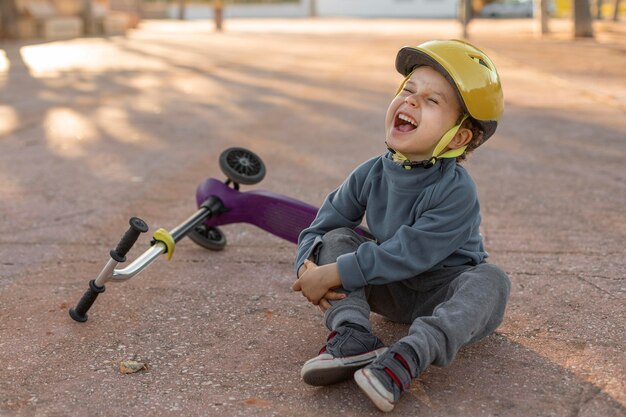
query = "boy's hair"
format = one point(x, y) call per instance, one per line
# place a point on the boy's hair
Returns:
point(478, 137)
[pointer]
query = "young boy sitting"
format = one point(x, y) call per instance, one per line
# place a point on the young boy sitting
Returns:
point(425, 265)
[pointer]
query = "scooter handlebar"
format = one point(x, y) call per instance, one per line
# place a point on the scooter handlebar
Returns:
point(137, 227)
point(79, 313)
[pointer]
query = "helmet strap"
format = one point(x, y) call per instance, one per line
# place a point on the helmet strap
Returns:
point(445, 141)
point(404, 81)
point(441, 145)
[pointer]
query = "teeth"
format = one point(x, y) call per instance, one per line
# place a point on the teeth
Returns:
point(407, 119)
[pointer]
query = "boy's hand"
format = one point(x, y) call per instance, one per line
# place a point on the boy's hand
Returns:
point(315, 281)
point(330, 295)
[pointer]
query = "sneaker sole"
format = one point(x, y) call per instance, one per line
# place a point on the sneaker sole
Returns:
point(372, 388)
point(320, 372)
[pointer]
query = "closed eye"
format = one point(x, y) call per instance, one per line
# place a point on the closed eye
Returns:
point(406, 90)
point(433, 100)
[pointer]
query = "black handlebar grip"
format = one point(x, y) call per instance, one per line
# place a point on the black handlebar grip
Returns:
point(79, 313)
point(137, 227)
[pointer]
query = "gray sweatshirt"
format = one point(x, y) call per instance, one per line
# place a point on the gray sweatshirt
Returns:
point(422, 220)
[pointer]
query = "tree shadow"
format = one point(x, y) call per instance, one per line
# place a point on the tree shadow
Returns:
point(551, 215)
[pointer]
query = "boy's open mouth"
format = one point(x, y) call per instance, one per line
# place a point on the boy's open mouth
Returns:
point(404, 123)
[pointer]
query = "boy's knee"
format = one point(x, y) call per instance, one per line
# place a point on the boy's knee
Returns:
point(342, 234)
point(492, 279)
point(500, 285)
point(498, 279)
point(336, 243)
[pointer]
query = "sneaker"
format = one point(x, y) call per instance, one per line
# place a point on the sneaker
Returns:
point(387, 378)
point(346, 350)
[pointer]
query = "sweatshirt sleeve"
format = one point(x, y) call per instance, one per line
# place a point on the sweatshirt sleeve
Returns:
point(434, 236)
point(341, 208)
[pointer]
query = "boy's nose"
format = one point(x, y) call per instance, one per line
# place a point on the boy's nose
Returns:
point(411, 100)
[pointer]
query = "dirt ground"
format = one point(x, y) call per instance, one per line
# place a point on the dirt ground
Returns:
point(94, 131)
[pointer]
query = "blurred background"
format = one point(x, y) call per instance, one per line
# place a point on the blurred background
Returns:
point(58, 19)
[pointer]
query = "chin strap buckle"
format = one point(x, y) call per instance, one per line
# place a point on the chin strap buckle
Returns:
point(427, 163)
point(408, 164)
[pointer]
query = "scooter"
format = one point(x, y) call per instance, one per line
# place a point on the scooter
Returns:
point(219, 203)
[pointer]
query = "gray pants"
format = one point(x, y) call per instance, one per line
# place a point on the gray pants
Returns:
point(446, 309)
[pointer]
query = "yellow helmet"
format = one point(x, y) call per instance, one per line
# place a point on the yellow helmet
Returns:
point(468, 69)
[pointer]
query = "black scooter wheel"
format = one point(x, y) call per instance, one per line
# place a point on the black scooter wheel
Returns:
point(242, 166)
point(210, 238)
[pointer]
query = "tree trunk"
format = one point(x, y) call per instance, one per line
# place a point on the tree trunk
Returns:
point(465, 15)
point(599, 9)
point(582, 19)
point(542, 16)
point(87, 15)
point(8, 19)
point(616, 10)
point(182, 5)
point(218, 15)
point(312, 8)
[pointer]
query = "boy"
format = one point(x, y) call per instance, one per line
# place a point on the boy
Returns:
point(426, 263)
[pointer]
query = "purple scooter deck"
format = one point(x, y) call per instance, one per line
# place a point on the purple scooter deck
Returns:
point(277, 214)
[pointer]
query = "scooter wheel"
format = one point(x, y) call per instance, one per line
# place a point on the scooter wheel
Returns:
point(210, 238)
point(242, 166)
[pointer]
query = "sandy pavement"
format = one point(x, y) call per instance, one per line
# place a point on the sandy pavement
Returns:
point(94, 131)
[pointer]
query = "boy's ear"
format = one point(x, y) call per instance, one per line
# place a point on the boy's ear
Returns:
point(462, 138)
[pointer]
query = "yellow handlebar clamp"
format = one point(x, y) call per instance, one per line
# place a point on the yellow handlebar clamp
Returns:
point(162, 235)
